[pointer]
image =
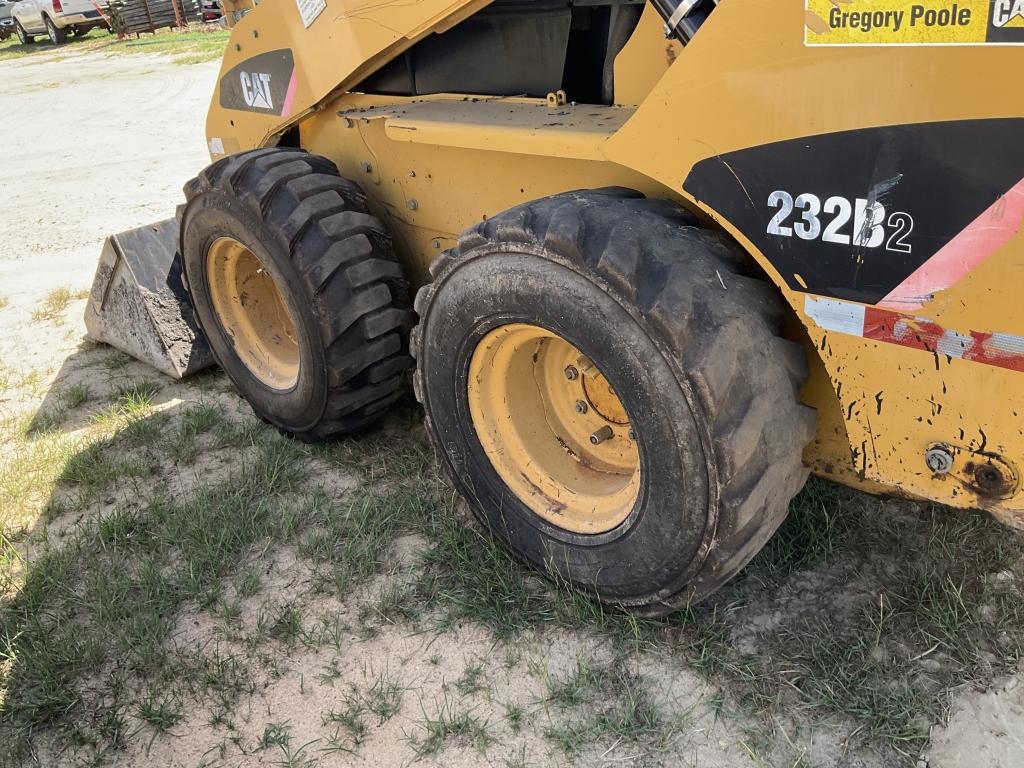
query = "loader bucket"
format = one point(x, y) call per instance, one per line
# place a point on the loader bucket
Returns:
point(139, 304)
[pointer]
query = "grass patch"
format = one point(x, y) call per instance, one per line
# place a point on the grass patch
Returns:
point(27, 479)
point(449, 724)
point(378, 702)
point(608, 704)
point(197, 44)
point(878, 609)
point(56, 303)
point(906, 602)
point(116, 586)
point(76, 395)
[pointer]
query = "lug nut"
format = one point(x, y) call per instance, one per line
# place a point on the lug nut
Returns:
point(581, 407)
point(571, 373)
point(632, 435)
point(367, 168)
point(939, 460)
point(604, 433)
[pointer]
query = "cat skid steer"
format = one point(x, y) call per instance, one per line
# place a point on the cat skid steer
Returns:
point(650, 265)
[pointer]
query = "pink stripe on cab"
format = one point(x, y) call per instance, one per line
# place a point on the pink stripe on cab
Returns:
point(981, 238)
point(289, 96)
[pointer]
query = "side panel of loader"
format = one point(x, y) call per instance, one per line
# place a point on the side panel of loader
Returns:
point(921, 334)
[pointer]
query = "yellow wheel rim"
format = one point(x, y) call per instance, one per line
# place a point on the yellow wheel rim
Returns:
point(253, 313)
point(554, 429)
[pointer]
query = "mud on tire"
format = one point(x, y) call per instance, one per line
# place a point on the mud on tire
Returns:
point(691, 345)
point(335, 270)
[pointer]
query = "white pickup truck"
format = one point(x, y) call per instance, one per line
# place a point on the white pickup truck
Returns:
point(56, 18)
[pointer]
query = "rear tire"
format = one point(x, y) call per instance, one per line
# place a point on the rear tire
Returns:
point(298, 291)
point(23, 37)
point(57, 36)
point(691, 347)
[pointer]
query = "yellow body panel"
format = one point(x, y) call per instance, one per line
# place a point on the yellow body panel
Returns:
point(433, 166)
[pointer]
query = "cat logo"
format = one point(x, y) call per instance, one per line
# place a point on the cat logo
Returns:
point(1006, 11)
point(256, 89)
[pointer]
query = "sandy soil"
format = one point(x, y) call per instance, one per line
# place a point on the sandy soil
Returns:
point(99, 144)
point(93, 145)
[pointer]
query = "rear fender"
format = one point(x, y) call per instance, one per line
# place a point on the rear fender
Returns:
point(915, 315)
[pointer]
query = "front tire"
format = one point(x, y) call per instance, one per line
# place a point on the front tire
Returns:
point(298, 291)
point(23, 37)
point(605, 314)
point(57, 36)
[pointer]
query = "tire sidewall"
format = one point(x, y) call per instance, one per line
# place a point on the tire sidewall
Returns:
point(51, 31)
point(214, 214)
point(22, 34)
point(665, 537)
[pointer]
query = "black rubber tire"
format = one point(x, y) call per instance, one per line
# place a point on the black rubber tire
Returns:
point(691, 344)
point(57, 36)
point(335, 267)
point(23, 37)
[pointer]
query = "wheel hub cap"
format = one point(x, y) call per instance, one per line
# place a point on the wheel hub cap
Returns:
point(253, 313)
point(554, 429)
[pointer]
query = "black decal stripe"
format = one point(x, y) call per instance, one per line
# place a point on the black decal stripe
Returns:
point(943, 174)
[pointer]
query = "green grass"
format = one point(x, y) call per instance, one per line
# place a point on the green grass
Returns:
point(880, 609)
point(608, 705)
point(195, 45)
point(473, 680)
point(195, 421)
point(76, 395)
point(450, 723)
point(372, 705)
point(123, 580)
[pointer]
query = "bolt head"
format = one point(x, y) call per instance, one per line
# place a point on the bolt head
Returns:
point(412, 205)
point(581, 407)
point(939, 460)
point(571, 373)
point(367, 168)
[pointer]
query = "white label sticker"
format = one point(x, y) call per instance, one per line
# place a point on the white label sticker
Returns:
point(310, 9)
point(216, 146)
point(838, 316)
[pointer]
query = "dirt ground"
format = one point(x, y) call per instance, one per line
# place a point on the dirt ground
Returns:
point(179, 586)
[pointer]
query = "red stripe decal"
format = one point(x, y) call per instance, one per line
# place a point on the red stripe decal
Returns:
point(1001, 350)
point(982, 237)
point(289, 95)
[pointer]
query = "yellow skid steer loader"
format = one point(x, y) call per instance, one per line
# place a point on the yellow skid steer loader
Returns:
point(651, 263)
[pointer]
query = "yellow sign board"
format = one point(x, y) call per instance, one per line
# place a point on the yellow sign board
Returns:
point(914, 22)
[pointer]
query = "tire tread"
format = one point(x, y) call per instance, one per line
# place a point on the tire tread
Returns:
point(347, 271)
point(689, 286)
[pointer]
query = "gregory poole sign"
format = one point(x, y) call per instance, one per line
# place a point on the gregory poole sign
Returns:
point(914, 22)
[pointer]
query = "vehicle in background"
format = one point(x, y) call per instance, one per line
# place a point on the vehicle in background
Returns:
point(211, 10)
point(6, 20)
point(57, 18)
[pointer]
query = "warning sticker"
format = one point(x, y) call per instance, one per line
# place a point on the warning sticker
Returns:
point(914, 22)
point(310, 9)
